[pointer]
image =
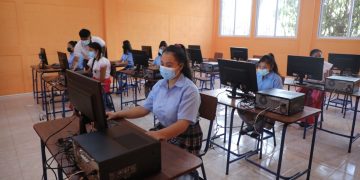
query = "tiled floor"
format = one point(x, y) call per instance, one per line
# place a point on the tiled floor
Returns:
point(20, 147)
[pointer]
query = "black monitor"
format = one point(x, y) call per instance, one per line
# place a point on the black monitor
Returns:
point(148, 50)
point(304, 66)
point(86, 96)
point(346, 63)
point(141, 59)
point(195, 56)
point(238, 75)
point(43, 58)
point(194, 47)
point(63, 61)
point(239, 53)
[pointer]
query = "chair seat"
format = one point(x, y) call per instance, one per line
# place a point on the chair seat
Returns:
point(203, 78)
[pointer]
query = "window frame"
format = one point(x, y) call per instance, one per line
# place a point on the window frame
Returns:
point(347, 37)
point(274, 36)
point(233, 34)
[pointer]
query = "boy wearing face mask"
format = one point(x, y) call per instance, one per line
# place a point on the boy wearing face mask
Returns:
point(81, 50)
point(267, 78)
point(162, 47)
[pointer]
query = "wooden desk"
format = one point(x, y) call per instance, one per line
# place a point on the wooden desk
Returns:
point(175, 161)
point(223, 99)
point(352, 138)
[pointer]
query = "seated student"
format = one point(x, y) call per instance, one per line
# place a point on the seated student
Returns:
point(81, 50)
point(70, 49)
point(314, 98)
point(268, 77)
point(127, 60)
point(175, 101)
point(162, 47)
point(100, 68)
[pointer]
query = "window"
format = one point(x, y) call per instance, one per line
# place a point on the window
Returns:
point(340, 19)
point(235, 19)
point(277, 18)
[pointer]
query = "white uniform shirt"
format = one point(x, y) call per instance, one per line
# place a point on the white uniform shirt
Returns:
point(79, 49)
point(103, 62)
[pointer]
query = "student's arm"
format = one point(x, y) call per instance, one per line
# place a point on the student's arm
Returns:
point(172, 131)
point(132, 113)
point(75, 63)
point(102, 73)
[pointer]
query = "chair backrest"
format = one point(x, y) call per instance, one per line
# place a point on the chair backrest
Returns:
point(218, 55)
point(208, 107)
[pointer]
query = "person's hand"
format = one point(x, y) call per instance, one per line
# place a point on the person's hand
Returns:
point(112, 115)
point(156, 135)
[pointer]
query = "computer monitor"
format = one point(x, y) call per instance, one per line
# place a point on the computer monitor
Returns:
point(238, 75)
point(195, 56)
point(63, 61)
point(148, 50)
point(346, 63)
point(85, 94)
point(239, 53)
point(42, 56)
point(141, 59)
point(194, 47)
point(304, 66)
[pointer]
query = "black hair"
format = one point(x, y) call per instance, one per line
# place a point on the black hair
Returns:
point(162, 43)
point(84, 33)
point(126, 47)
point(270, 59)
point(72, 43)
point(97, 47)
point(179, 53)
point(314, 51)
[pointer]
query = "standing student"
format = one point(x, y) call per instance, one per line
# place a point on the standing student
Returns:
point(175, 101)
point(314, 98)
point(127, 60)
point(162, 47)
point(268, 77)
point(70, 48)
point(81, 50)
point(100, 67)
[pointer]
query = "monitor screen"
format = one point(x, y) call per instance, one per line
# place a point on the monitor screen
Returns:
point(239, 53)
point(148, 51)
point(305, 67)
point(345, 62)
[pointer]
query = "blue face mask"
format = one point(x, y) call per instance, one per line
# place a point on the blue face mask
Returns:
point(167, 73)
point(91, 54)
point(263, 72)
point(85, 42)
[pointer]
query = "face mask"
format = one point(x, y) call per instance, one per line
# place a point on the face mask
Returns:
point(161, 51)
point(85, 42)
point(91, 54)
point(167, 73)
point(263, 72)
point(69, 50)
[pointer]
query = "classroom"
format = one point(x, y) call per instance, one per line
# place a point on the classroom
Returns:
point(179, 89)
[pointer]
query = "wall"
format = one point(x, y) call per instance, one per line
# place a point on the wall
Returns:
point(147, 22)
point(27, 25)
point(301, 45)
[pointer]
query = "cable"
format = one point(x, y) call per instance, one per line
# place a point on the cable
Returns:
point(261, 112)
point(72, 175)
point(58, 130)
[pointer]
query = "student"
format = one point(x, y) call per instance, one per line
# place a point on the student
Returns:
point(100, 68)
point(127, 60)
point(175, 101)
point(81, 50)
point(70, 49)
point(162, 47)
point(268, 77)
point(314, 98)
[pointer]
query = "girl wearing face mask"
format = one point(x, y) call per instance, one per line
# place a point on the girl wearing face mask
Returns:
point(99, 66)
point(268, 77)
point(162, 47)
point(74, 66)
point(174, 100)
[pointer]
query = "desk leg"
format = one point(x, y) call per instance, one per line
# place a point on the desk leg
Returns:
point(53, 102)
point(136, 88)
point(353, 123)
point(43, 91)
point(229, 143)
point(281, 151)
point(60, 172)
point(322, 110)
point(225, 119)
point(312, 149)
point(43, 158)
point(45, 102)
point(33, 81)
point(37, 88)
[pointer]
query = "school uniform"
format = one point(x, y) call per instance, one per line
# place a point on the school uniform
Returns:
point(80, 65)
point(180, 102)
point(95, 66)
point(126, 57)
point(157, 61)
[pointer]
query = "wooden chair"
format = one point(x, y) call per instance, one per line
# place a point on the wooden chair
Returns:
point(207, 111)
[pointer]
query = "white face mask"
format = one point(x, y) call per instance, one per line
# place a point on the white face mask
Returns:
point(85, 42)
